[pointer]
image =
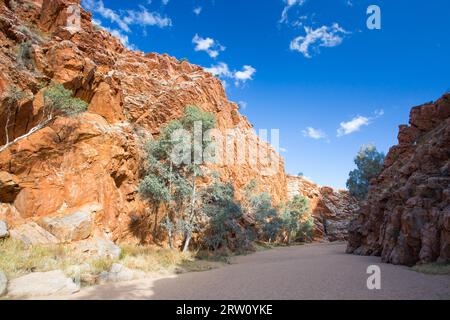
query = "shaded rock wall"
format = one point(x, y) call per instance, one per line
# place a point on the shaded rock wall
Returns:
point(406, 219)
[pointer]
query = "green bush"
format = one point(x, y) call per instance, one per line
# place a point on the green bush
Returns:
point(294, 222)
point(59, 99)
point(369, 164)
point(225, 215)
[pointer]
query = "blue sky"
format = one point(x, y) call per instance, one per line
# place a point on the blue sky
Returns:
point(316, 72)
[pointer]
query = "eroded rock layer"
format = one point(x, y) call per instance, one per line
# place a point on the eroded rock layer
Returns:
point(406, 219)
point(97, 157)
point(331, 209)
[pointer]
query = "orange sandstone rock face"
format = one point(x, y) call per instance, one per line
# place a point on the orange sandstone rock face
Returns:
point(331, 209)
point(406, 219)
point(98, 156)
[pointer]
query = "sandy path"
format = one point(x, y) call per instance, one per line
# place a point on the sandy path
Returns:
point(317, 271)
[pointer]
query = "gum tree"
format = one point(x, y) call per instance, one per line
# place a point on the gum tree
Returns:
point(369, 163)
point(174, 163)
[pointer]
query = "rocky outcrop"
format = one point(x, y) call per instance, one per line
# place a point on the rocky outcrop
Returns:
point(32, 234)
point(406, 219)
point(98, 247)
point(97, 157)
point(9, 187)
point(331, 209)
point(119, 273)
point(74, 226)
point(42, 284)
point(3, 229)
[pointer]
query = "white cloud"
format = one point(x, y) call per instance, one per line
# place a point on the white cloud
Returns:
point(197, 10)
point(244, 75)
point(312, 133)
point(143, 17)
point(209, 45)
point(106, 13)
point(223, 71)
point(242, 105)
point(325, 36)
point(288, 5)
point(147, 18)
point(356, 123)
point(283, 150)
point(165, 2)
point(352, 126)
point(379, 113)
point(123, 38)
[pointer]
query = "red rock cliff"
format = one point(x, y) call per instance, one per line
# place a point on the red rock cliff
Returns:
point(407, 215)
point(331, 209)
point(96, 158)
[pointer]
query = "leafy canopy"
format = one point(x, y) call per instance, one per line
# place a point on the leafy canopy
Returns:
point(58, 98)
point(369, 163)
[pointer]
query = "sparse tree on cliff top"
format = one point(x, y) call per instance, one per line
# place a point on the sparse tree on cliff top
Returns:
point(369, 164)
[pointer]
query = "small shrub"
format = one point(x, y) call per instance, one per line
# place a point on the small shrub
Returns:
point(25, 55)
point(59, 99)
point(433, 268)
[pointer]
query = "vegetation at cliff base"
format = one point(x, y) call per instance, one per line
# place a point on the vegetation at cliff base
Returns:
point(433, 268)
point(369, 163)
point(211, 211)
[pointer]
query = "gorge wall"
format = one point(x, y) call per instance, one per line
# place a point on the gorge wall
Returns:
point(331, 209)
point(95, 160)
point(406, 219)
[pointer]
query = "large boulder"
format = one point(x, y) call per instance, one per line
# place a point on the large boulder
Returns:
point(74, 226)
point(119, 273)
point(3, 229)
point(9, 187)
point(32, 234)
point(3, 283)
point(42, 284)
point(98, 247)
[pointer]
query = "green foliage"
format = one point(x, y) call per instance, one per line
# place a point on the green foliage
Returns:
point(154, 189)
point(259, 206)
point(299, 206)
point(369, 164)
point(306, 230)
point(175, 183)
point(59, 99)
point(193, 115)
point(293, 219)
point(225, 214)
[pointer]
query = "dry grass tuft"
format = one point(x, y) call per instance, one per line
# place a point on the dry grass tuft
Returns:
point(16, 260)
point(436, 268)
